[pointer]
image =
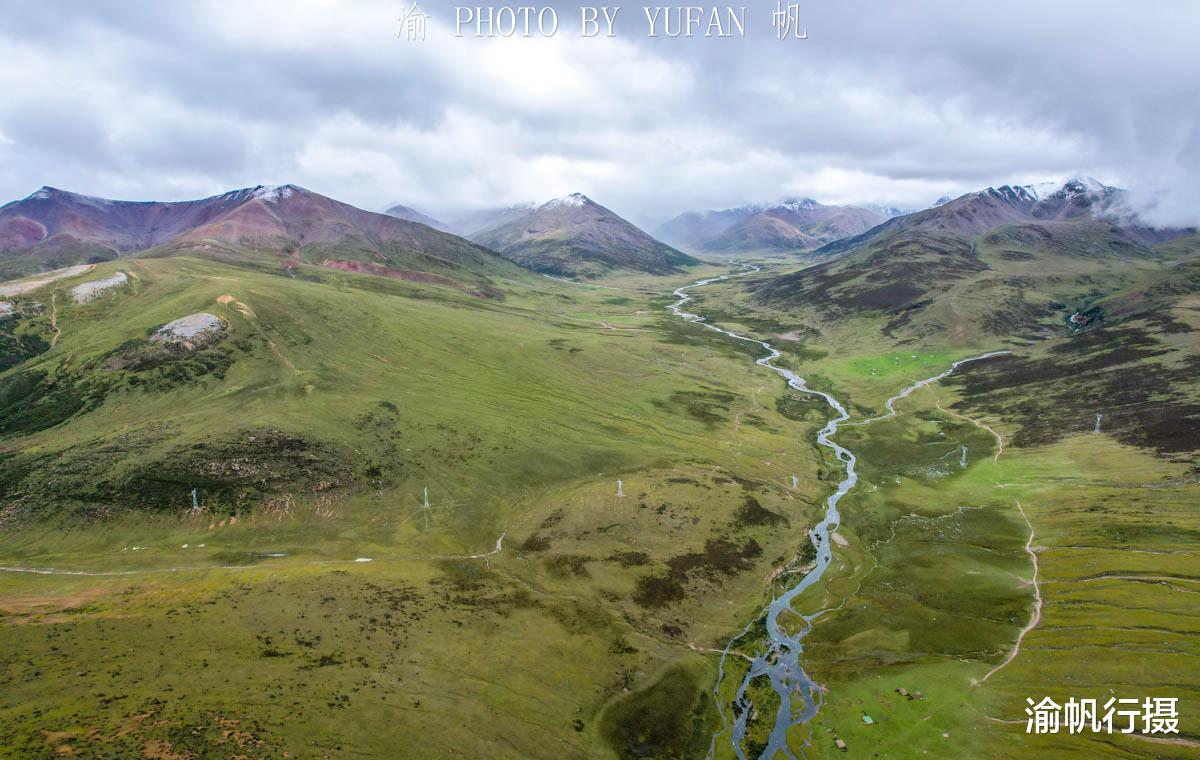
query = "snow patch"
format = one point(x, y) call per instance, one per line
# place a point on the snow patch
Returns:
point(798, 204)
point(273, 193)
point(1073, 187)
point(6, 308)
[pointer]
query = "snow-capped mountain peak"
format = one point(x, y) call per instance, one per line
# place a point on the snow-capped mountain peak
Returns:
point(273, 193)
point(574, 200)
point(799, 204)
point(1071, 188)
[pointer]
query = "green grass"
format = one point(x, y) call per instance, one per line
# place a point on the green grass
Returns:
point(519, 416)
point(934, 608)
point(340, 397)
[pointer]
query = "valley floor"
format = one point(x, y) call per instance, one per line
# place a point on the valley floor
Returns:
point(612, 496)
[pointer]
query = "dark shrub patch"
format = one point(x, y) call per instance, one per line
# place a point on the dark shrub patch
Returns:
point(720, 557)
point(236, 470)
point(572, 564)
point(753, 513)
point(709, 407)
point(630, 559)
point(671, 718)
point(34, 400)
point(535, 543)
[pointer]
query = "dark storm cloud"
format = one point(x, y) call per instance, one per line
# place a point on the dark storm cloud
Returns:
point(887, 102)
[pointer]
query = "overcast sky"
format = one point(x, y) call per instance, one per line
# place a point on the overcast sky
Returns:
point(886, 102)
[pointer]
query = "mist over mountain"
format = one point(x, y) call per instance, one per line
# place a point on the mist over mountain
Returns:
point(401, 211)
point(1077, 199)
point(468, 222)
point(908, 264)
point(791, 225)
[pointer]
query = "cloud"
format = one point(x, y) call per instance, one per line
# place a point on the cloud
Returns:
point(883, 103)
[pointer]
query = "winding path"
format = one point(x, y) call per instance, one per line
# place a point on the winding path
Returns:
point(999, 438)
point(890, 404)
point(1037, 601)
point(54, 320)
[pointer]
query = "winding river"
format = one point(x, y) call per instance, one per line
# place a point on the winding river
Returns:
point(779, 663)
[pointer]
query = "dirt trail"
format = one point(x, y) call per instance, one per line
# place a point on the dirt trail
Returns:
point(1037, 601)
point(282, 358)
point(976, 423)
point(485, 556)
point(709, 650)
point(54, 319)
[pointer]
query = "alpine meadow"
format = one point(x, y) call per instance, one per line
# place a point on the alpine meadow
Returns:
point(829, 408)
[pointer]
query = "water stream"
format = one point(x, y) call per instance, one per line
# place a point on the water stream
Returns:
point(786, 628)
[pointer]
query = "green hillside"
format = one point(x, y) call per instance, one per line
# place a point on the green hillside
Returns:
point(310, 429)
point(1080, 446)
point(613, 495)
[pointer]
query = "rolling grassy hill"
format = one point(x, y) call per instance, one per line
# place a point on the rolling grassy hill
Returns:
point(310, 427)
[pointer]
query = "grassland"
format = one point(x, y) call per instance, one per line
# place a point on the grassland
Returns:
point(531, 611)
point(935, 585)
point(310, 431)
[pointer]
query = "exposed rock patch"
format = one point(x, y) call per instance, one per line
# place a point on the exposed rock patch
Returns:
point(190, 332)
point(25, 286)
point(94, 288)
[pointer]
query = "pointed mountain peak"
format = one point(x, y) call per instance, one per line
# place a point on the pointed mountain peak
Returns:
point(408, 213)
point(51, 193)
point(573, 236)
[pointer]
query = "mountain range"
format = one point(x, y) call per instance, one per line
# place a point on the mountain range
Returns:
point(54, 228)
point(1016, 247)
point(791, 225)
point(569, 236)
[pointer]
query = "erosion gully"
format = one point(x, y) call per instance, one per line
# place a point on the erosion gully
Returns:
point(779, 662)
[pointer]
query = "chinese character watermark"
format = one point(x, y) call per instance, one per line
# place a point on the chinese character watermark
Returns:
point(1152, 715)
point(412, 23)
point(786, 20)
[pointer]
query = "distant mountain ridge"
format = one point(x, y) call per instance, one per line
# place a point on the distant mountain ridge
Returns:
point(574, 236)
point(411, 214)
point(54, 227)
point(975, 212)
point(791, 225)
point(907, 265)
point(467, 223)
